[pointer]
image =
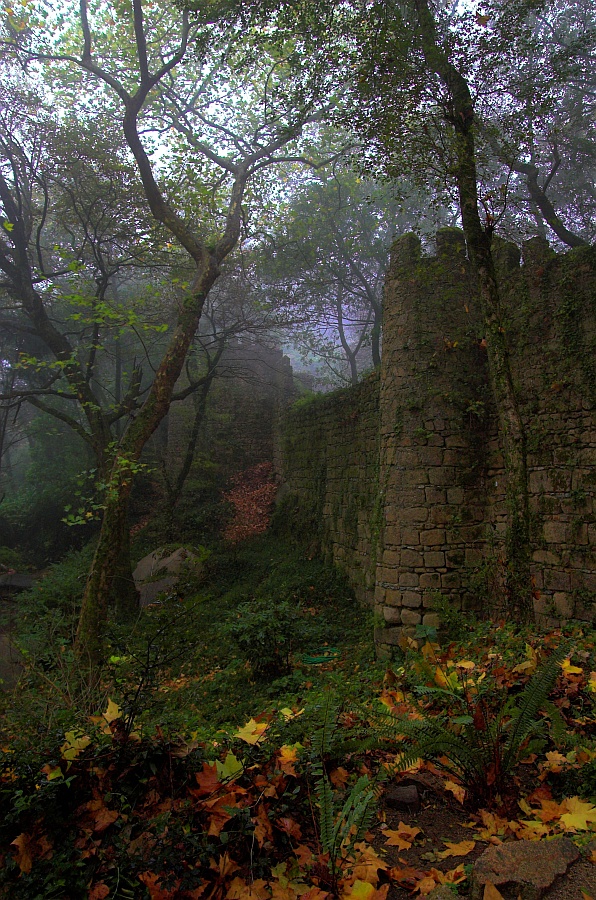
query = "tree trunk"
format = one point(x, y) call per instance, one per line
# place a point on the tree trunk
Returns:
point(478, 240)
point(105, 576)
point(108, 572)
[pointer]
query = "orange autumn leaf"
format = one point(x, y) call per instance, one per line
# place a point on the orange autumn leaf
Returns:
point(24, 858)
point(592, 857)
point(254, 890)
point(290, 826)
point(263, 826)
point(457, 790)
point(218, 814)
point(101, 816)
point(491, 893)
point(339, 777)
point(99, 891)
point(208, 780)
point(402, 837)
point(153, 885)
point(315, 893)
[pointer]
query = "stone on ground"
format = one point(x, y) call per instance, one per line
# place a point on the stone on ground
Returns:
point(523, 869)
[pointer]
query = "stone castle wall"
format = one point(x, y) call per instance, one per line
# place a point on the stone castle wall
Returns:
point(435, 521)
point(329, 461)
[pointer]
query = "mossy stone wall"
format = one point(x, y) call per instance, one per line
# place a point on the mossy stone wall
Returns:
point(408, 477)
point(330, 463)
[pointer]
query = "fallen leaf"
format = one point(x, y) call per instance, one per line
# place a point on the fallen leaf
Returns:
point(461, 849)
point(254, 890)
point(568, 669)
point(402, 837)
point(99, 891)
point(229, 769)
point(491, 893)
point(23, 856)
point(338, 777)
point(457, 790)
point(252, 732)
point(288, 755)
point(579, 814)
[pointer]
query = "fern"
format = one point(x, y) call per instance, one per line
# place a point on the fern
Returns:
point(478, 747)
point(340, 827)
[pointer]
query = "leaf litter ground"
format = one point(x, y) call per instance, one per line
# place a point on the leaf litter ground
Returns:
point(211, 793)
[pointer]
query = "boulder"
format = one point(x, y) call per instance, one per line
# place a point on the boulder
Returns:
point(159, 572)
point(522, 869)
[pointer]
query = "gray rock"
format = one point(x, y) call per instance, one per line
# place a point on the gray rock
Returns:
point(522, 869)
point(404, 797)
point(441, 892)
point(159, 572)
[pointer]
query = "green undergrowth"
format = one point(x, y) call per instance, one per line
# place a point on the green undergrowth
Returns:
point(238, 642)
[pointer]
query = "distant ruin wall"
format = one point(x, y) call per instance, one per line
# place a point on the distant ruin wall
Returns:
point(330, 463)
point(438, 511)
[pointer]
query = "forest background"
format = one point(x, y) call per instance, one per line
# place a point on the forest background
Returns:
point(176, 181)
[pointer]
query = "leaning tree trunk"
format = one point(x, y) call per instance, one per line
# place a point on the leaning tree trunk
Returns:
point(478, 240)
point(105, 569)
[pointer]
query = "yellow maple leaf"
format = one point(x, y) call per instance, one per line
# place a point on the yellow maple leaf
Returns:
point(252, 732)
point(461, 849)
point(579, 814)
point(402, 837)
point(532, 830)
point(288, 755)
point(362, 890)
point(74, 744)
point(530, 664)
point(113, 712)
point(289, 714)
point(591, 685)
point(457, 790)
point(568, 669)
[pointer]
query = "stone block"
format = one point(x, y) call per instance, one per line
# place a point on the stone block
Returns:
point(454, 558)
point(411, 558)
point(564, 604)
point(410, 536)
point(434, 559)
point(411, 599)
point(392, 597)
point(409, 617)
point(555, 580)
point(391, 557)
point(444, 475)
point(388, 635)
point(392, 615)
point(555, 532)
point(451, 580)
point(432, 537)
point(413, 514)
point(548, 557)
point(432, 619)
point(408, 579)
point(473, 557)
point(430, 580)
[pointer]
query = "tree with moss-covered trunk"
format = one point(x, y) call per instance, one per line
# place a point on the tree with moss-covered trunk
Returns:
point(164, 74)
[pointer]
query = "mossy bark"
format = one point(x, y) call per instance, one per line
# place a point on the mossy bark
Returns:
point(108, 574)
point(460, 116)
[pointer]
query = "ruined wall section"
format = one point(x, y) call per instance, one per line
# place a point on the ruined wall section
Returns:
point(329, 464)
point(435, 424)
point(441, 463)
